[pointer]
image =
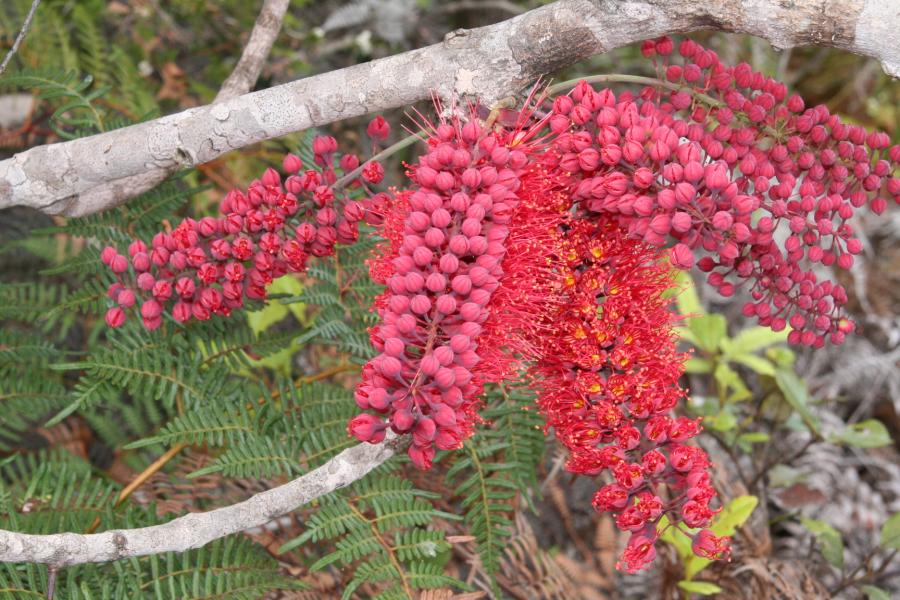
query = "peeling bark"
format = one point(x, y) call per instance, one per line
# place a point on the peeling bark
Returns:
point(91, 174)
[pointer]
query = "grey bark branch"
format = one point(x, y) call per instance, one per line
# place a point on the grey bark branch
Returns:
point(250, 65)
point(197, 529)
point(26, 25)
point(91, 174)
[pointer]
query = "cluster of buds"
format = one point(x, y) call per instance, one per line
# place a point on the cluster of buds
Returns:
point(210, 266)
point(443, 264)
point(727, 164)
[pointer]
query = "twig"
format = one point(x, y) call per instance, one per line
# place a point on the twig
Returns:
point(198, 529)
point(392, 149)
point(52, 573)
point(248, 68)
point(22, 33)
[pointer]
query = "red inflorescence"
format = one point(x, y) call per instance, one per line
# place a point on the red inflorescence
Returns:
point(608, 383)
point(210, 266)
point(447, 243)
point(730, 165)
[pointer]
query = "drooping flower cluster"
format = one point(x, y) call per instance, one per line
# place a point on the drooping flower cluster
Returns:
point(608, 384)
point(726, 164)
point(210, 266)
point(447, 243)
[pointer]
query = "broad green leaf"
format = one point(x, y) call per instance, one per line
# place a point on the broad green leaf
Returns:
point(709, 331)
point(753, 339)
point(697, 365)
point(866, 434)
point(794, 390)
point(783, 357)
point(832, 545)
point(890, 532)
point(704, 588)
point(261, 320)
point(687, 300)
point(724, 421)
point(746, 440)
point(756, 363)
point(733, 515)
point(875, 593)
point(730, 381)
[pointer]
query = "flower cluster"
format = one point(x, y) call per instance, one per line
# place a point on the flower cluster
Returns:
point(210, 266)
point(727, 163)
point(608, 383)
point(447, 244)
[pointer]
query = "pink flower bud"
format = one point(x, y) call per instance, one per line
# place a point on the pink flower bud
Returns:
point(421, 456)
point(108, 254)
point(682, 256)
point(150, 309)
point(402, 421)
point(115, 317)
point(367, 428)
point(118, 264)
point(378, 128)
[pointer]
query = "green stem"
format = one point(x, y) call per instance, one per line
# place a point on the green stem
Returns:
point(392, 149)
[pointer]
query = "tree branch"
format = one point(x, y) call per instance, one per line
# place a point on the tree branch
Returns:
point(198, 529)
point(247, 71)
point(21, 36)
point(87, 175)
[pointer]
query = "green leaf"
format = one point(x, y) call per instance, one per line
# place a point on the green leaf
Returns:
point(746, 440)
point(697, 365)
point(831, 543)
point(794, 390)
point(870, 433)
point(709, 331)
point(704, 588)
point(261, 320)
point(756, 363)
point(753, 339)
point(724, 421)
point(734, 514)
point(731, 384)
point(875, 593)
point(687, 299)
point(890, 532)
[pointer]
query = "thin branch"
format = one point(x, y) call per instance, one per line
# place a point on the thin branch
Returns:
point(198, 529)
point(92, 174)
point(22, 33)
point(247, 71)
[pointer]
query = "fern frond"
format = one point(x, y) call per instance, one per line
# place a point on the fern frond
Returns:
point(29, 302)
point(487, 491)
point(380, 530)
point(69, 91)
point(212, 424)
